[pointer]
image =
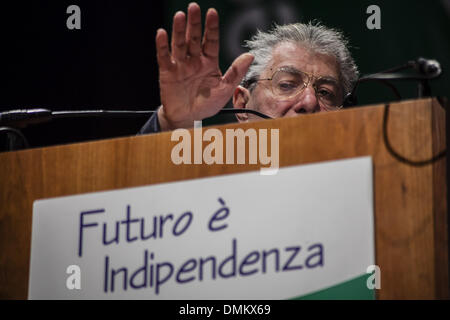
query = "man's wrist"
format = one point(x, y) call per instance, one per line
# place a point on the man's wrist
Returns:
point(163, 122)
point(167, 125)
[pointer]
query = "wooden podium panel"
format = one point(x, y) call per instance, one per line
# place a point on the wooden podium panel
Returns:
point(410, 201)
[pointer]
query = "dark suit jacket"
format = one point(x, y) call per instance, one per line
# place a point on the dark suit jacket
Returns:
point(151, 126)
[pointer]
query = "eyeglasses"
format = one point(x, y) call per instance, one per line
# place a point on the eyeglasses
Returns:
point(288, 82)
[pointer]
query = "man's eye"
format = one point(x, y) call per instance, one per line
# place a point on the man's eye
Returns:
point(324, 93)
point(287, 85)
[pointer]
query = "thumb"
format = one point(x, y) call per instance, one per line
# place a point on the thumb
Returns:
point(238, 69)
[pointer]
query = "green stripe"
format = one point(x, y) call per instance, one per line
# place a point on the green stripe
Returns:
point(355, 289)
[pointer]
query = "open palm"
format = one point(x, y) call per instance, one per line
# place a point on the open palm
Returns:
point(191, 84)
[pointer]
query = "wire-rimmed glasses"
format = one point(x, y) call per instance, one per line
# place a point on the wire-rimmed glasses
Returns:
point(288, 82)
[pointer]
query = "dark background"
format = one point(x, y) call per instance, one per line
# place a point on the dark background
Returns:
point(110, 63)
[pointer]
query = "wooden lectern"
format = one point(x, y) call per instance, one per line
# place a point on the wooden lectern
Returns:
point(410, 201)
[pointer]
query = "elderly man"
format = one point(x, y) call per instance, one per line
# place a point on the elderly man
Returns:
point(290, 70)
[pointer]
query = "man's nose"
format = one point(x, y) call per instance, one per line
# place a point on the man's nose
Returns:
point(307, 101)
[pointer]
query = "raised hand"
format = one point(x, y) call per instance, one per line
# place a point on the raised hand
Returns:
point(191, 84)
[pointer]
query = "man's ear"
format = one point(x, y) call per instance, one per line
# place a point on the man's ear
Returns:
point(241, 97)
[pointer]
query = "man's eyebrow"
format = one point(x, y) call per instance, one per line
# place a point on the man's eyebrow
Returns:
point(289, 69)
point(292, 69)
point(328, 79)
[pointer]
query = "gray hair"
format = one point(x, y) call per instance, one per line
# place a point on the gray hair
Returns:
point(313, 36)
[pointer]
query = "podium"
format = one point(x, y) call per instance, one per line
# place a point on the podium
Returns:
point(410, 206)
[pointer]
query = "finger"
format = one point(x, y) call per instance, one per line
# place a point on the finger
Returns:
point(237, 70)
point(194, 29)
point(162, 50)
point(211, 36)
point(179, 47)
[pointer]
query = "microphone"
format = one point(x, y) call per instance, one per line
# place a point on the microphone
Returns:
point(428, 67)
point(24, 117)
point(21, 116)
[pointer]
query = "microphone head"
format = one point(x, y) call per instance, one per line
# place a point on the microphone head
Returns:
point(429, 67)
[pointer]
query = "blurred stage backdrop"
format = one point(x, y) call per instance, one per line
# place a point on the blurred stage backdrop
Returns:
point(110, 62)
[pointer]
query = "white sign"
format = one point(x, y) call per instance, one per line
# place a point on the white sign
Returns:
point(239, 236)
